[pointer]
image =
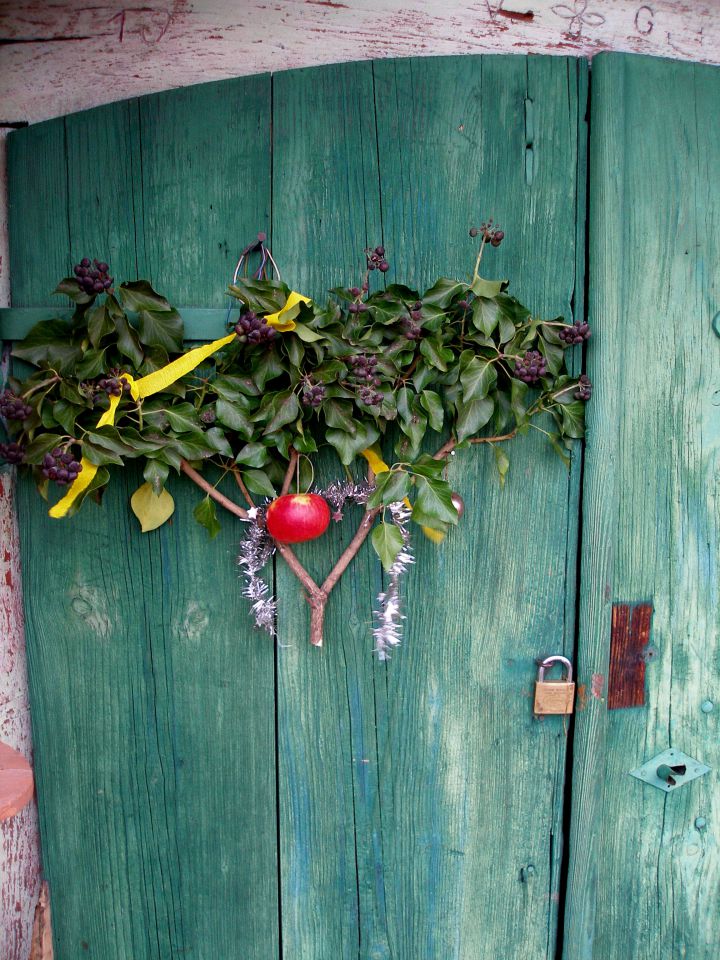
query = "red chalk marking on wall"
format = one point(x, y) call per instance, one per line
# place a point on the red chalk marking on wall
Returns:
point(16, 782)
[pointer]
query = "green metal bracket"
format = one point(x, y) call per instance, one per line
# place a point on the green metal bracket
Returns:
point(669, 770)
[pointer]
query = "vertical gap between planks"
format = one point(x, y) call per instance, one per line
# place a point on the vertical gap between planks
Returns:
point(582, 86)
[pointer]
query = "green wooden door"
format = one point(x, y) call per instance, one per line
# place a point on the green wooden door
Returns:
point(644, 880)
point(203, 793)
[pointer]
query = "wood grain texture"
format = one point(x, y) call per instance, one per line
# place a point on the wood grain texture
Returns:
point(629, 640)
point(471, 783)
point(651, 515)
point(154, 735)
point(326, 210)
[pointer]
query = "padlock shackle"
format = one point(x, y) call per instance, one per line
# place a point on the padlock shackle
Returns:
point(549, 661)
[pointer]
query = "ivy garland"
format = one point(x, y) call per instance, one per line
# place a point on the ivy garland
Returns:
point(464, 362)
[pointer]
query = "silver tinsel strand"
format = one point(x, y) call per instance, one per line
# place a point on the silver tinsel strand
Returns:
point(341, 491)
point(388, 632)
point(255, 550)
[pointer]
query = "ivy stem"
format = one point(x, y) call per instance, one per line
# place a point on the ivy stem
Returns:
point(39, 386)
point(290, 471)
point(476, 275)
point(210, 490)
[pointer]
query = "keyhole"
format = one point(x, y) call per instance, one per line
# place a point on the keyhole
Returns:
point(666, 772)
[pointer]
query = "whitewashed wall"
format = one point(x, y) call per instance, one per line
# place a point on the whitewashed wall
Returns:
point(66, 56)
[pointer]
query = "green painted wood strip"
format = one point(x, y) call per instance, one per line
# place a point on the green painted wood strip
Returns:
point(201, 323)
point(204, 197)
point(651, 515)
point(471, 784)
point(38, 216)
point(197, 145)
point(326, 210)
point(158, 801)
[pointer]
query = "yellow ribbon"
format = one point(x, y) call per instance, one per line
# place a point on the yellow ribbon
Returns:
point(292, 308)
point(144, 387)
point(378, 465)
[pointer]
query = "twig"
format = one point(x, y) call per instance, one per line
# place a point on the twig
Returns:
point(290, 471)
point(244, 489)
point(352, 548)
point(212, 492)
point(448, 447)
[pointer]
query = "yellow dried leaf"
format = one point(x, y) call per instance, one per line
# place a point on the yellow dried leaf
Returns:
point(151, 511)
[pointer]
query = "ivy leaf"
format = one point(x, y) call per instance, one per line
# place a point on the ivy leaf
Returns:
point(387, 542)
point(91, 365)
point(253, 455)
point(99, 324)
point(432, 403)
point(50, 341)
point(96, 485)
point(230, 415)
point(339, 414)
point(70, 287)
point(156, 474)
point(485, 314)
point(573, 419)
point(488, 288)
point(263, 296)
point(473, 416)
point(443, 292)
point(554, 355)
point(427, 466)
point(501, 462)
point(232, 388)
point(432, 353)
point(347, 445)
point(305, 333)
point(37, 448)
point(269, 367)
point(478, 378)
point(128, 342)
point(559, 449)
point(218, 441)
point(151, 509)
point(139, 295)
point(189, 446)
point(433, 505)
point(161, 328)
point(66, 414)
point(183, 418)
point(390, 486)
point(257, 481)
point(206, 515)
point(287, 410)
point(513, 309)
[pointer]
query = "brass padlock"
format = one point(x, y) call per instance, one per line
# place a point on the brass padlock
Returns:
point(554, 696)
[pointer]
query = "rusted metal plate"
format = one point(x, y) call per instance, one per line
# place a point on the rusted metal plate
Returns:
point(629, 653)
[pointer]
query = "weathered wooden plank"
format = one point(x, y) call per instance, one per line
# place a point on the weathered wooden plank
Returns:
point(326, 210)
point(629, 642)
point(197, 146)
point(651, 513)
point(471, 783)
point(155, 730)
point(204, 195)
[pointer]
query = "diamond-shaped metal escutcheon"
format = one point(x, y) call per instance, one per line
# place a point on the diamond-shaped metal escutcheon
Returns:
point(668, 760)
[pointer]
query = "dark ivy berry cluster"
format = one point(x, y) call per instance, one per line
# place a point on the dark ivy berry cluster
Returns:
point(364, 373)
point(313, 394)
point(490, 234)
point(410, 326)
point(376, 259)
point(12, 407)
point(61, 466)
point(208, 416)
point(113, 386)
point(584, 388)
point(575, 333)
point(530, 367)
point(11, 452)
point(94, 277)
point(252, 329)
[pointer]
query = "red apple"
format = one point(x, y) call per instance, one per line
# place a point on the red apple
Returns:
point(296, 517)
